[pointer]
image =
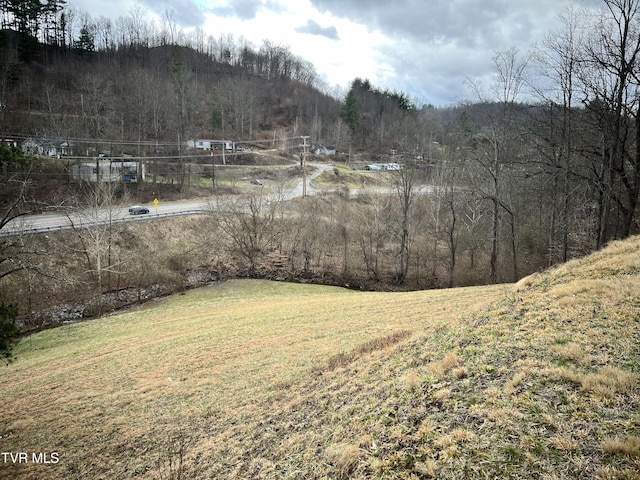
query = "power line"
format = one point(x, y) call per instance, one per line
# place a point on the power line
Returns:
point(153, 143)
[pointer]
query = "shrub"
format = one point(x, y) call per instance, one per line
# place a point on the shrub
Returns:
point(8, 329)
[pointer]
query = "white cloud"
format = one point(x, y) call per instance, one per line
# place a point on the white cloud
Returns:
point(339, 49)
point(425, 49)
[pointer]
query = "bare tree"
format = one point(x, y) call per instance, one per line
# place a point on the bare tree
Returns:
point(184, 93)
point(371, 232)
point(250, 224)
point(95, 95)
point(406, 185)
point(20, 253)
point(238, 99)
point(96, 226)
point(169, 27)
point(139, 30)
point(52, 105)
point(446, 209)
point(494, 147)
point(558, 58)
point(17, 206)
point(612, 77)
point(105, 34)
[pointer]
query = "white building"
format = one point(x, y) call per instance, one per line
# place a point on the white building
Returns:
point(49, 147)
point(204, 144)
point(387, 167)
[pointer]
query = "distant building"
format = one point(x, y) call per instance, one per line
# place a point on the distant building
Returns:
point(204, 144)
point(200, 144)
point(48, 147)
point(127, 172)
point(324, 150)
point(387, 167)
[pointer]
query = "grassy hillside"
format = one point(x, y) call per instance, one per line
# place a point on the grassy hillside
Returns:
point(253, 379)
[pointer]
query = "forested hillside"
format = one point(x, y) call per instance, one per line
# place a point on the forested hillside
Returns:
point(539, 166)
point(154, 95)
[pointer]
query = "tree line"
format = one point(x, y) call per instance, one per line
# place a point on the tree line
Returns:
point(548, 151)
point(53, 24)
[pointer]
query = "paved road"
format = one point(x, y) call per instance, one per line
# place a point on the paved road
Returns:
point(311, 187)
point(60, 221)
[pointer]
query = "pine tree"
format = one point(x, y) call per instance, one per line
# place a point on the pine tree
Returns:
point(85, 42)
point(350, 111)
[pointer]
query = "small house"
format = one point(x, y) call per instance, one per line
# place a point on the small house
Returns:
point(48, 147)
point(325, 150)
point(200, 144)
point(204, 144)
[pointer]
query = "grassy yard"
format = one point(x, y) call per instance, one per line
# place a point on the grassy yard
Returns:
point(109, 393)
point(254, 379)
point(342, 176)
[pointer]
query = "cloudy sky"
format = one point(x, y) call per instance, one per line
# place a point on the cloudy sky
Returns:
point(425, 48)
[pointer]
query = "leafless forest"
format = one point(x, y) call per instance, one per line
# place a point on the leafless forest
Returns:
point(540, 166)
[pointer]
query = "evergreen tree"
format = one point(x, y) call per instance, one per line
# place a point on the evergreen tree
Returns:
point(350, 111)
point(85, 42)
point(216, 111)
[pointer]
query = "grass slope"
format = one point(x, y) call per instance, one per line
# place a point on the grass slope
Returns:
point(269, 380)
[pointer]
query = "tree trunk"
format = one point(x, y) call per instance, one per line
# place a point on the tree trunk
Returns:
point(493, 260)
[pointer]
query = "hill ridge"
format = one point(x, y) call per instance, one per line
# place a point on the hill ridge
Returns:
point(516, 390)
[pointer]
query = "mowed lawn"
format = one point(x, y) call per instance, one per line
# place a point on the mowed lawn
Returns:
point(107, 398)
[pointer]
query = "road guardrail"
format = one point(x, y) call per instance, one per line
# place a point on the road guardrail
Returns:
point(9, 231)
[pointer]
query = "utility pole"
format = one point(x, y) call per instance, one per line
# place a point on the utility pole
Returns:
point(305, 146)
point(224, 145)
point(213, 171)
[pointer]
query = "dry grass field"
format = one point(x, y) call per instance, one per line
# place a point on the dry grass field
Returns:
point(254, 379)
